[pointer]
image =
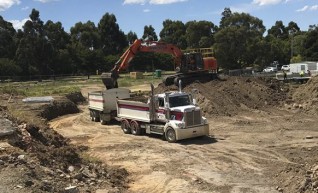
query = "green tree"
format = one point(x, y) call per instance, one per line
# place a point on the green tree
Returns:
point(58, 40)
point(7, 44)
point(278, 30)
point(149, 33)
point(34, 51)
point(311, 44)
point(174, 32)
point(112, 38)
point(131, 37)
point(237, 43)
point(200, 34)
point(8, 67)
point(86, 34)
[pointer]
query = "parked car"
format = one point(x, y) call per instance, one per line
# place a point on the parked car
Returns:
point(286, 67)
point(270, 69)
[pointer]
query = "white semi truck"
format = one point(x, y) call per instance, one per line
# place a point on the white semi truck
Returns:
point(102, 104)
point(172, 114)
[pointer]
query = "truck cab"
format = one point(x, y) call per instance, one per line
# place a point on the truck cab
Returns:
point(171, 114)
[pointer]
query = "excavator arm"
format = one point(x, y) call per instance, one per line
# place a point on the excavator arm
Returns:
point(110, 79)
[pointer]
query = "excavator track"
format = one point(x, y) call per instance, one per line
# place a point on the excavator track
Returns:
point(188, 78)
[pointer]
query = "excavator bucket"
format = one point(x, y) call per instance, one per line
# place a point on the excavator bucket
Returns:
point(109, 81)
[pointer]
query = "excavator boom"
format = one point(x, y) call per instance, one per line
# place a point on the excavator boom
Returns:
point(110, 79)
point(190, 66)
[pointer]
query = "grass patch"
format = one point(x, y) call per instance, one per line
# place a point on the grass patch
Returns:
point(31, 89)
point(126, 81)
point(67, 85)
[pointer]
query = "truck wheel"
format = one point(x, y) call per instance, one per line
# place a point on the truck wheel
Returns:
point(103, 122)
point(125, 126)
point(91, 115)
point(97, 118)
point(171, 135)
point(135, 128)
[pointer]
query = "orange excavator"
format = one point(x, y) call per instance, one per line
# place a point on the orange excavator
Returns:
point(190, 66)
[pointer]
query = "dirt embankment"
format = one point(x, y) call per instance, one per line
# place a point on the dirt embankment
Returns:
point(233, 95)
point(42, 160)
point(236, 95)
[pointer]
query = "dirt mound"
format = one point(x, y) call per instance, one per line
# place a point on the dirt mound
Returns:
point(46, 162)
point(302, 172)
point(62, 106)
point(306, 96)
point(235, 94)
point(76, 97)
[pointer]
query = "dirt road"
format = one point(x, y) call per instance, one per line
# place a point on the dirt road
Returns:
point(259, 151)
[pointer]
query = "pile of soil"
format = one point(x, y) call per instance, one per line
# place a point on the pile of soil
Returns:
point(42, 160)
point(235, 94)
point(306, 96)
point(76, 97)
point(301, 175)
point(59, 107)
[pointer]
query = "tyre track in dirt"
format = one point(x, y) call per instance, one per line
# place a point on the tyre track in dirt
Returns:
point(196, 165)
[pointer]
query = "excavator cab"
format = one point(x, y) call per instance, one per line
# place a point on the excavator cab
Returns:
point(192, 62)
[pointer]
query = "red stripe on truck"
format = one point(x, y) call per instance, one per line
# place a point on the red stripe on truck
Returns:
point(97, 100)
point(133, 107)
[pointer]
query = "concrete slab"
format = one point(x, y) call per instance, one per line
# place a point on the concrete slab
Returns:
point(6, 127)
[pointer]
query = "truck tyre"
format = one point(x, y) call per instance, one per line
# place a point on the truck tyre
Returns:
point(97, 118)
point(91, 115)
point(171, 135)
point(103, 122)
point(125, 126)
point(135, 128)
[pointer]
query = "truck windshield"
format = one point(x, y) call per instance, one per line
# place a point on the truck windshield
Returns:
point(181, 100)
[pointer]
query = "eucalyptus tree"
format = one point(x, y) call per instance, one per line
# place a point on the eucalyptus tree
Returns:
point(113, 39)
point(33, 49)
point(149, 33)
point(58, 40)
point(311, 44)
point(86, 47)
point(174, 32)
point(237, 42)
point(200, 34)
point(131, 37)
point(7, 43)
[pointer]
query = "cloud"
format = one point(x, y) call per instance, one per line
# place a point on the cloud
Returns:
point(6, 4)
point(45, 1)
point(142, 2)
point(268, 2)
point(17, 24)
point(146, 10)
point(25, 8)
point(161, 2)
point(308, 8)
point(155, 2)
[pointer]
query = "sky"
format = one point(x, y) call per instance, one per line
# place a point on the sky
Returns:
point(133, 15)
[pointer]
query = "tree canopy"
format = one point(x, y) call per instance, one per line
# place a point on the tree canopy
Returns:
point(240, 40)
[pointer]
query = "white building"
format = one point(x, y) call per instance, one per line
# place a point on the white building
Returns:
point(304, 66)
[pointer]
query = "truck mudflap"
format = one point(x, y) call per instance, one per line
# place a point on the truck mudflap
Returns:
point(192, 132)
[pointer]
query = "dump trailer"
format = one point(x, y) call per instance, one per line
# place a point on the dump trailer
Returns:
point(173, 115)
point(102, 104)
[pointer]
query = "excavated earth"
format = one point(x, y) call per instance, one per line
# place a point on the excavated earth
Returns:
point(263, 139)
point(38, 159)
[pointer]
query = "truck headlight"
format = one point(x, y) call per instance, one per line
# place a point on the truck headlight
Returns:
point(180, 125)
